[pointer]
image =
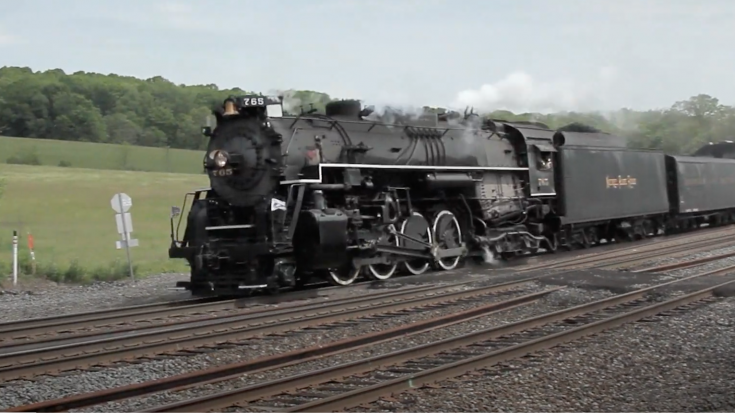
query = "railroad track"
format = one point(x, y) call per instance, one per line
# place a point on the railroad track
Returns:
point(161, 314)
point(635, 299)
point(21, 362)
point(25, 328)
point(53, 355)
point(637, 254)
point(123, 319)
point(352, 384)
point(146, 314)
point(255, 317)
point(653, 241)
point(285, 359)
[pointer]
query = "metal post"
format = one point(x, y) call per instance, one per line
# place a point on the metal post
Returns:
point(126, 238)
point(33, 253)
point(15, 258)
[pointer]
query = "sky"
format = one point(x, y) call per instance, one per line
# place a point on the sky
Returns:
point(519, 55)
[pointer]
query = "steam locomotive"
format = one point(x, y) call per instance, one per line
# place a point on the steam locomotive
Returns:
point(353, 192)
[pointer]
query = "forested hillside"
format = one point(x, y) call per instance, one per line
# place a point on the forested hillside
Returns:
point(109, 108)
point(156, 112)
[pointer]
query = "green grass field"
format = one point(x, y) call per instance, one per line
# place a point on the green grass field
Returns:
point(69, 214)
point(103, 156)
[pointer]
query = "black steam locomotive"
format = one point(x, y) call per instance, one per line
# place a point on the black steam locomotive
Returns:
point(352, 191)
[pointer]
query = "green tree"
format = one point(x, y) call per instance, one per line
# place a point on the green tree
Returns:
point(111, 108)
point(120, 129)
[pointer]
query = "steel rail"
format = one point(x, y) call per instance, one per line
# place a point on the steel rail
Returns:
point(634, 252)
point(684, 264)
point(367, 394)
point(268, 363)
point(10, 331)
point(44, 323)
point(59, 341)
point(290, 384)
point(69, 322)
point(673, 251)
point(651, 241)
point(75, 356)
point(226, 372)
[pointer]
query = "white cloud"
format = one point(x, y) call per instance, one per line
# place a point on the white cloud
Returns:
point(520, 92)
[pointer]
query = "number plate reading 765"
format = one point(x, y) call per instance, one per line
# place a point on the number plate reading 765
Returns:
point(253, 101)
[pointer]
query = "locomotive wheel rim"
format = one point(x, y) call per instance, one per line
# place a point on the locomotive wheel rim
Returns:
point(383, 271)
point(342, 277)
point(447, 263)
point(411, 265)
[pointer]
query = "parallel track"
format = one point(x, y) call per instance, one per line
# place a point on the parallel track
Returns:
point(144, 314)
point(352, 384)
point(24, 328)
point(281, 360)
point(172, 313)
point(51, 356)
point(252, 393)
point(634, 254)
point(54, 359)
point(208, 311)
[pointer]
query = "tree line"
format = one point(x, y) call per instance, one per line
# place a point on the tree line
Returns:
point(156, 112)
point(92, 107)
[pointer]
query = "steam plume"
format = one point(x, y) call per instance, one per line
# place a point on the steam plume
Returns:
point(519, 92)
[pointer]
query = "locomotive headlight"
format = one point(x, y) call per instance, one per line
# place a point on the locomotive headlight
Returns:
point(219, 158)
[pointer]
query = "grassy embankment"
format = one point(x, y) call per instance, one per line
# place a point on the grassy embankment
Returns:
point(99, 155)
point(67, 209)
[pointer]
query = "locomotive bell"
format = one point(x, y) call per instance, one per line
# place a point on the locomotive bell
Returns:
point(230, 108)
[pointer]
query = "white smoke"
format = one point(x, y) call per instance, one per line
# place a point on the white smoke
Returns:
point(392, 113)
point(387, 110)
point(487, 255)
point(291, 103)
point(519, 92)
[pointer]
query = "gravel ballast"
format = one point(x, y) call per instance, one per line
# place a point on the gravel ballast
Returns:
point(51, 299)
point(679, 363)
point(22, 392)
point(54, 299)
point(69, 299)
point(672, 260)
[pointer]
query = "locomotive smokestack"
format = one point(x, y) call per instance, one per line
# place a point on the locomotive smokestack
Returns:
point(348, 108)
